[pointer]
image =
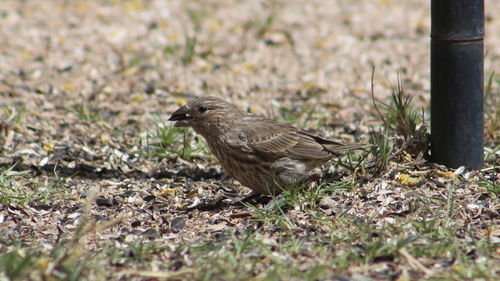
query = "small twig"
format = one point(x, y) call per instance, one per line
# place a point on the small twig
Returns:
point(414, 263)
point(181, 274)
point(490, 168)
point(401, 149)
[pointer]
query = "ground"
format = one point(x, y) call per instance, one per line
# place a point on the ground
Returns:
point(95, 184)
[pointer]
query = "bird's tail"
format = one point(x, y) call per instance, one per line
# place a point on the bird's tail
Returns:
point(339, 148)
point(336, 147)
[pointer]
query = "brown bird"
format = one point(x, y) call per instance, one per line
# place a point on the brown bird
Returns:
point(261, 153)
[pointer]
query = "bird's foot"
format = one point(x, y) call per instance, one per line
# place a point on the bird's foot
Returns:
point(252, 198)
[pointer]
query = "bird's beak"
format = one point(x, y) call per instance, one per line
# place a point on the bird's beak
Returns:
point(182, 117)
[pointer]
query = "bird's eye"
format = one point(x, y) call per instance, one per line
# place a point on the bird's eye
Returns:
point(202, 109)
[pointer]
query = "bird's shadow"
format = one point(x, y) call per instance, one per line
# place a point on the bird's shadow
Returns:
point(95, 172)
point(219, 202)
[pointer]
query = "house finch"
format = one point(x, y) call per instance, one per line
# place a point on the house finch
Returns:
point(261, 153)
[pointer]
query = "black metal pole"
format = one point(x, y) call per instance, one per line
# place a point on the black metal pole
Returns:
point(457, 33)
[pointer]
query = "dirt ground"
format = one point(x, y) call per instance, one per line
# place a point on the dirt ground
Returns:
point(86, 88)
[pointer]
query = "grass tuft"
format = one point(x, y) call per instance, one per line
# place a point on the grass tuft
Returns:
point(401, 120)
point(165, 141)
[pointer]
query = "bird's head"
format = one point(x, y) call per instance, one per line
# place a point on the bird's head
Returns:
point(204, 113)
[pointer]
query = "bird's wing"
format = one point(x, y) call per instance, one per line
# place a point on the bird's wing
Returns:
point(309, 148)
point(273, 142)
point(277, 140)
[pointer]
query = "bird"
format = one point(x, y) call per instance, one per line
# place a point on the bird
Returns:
point(261, 153)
